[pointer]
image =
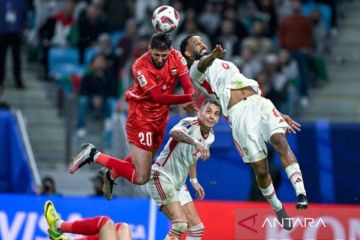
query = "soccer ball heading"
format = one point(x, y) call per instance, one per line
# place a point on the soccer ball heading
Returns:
point(165, 19)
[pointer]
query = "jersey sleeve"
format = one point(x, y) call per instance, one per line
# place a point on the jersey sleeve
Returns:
point(143, 78)
point(183, 125)
point(196, 76)
point(181, 63)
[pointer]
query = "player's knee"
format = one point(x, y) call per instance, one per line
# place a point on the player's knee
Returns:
point(262, 173)
point(279, 142)
point(143, 178)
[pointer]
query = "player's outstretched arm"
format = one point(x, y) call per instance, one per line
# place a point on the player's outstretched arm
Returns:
point(186, 83)
point(207, 60)
point(181, 135)
point(200, 192)
point(168, 99)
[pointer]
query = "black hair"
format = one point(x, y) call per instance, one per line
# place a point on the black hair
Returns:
point(184, 43)
point(160, 41)
point(210, 100)
point(48, 184)
point(48, 179)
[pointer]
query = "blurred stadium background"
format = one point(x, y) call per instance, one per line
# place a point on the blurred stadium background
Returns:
point(317, 81)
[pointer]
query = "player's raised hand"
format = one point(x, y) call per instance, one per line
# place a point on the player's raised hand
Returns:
point(294, 126)
point(189, 107)
point(201, 151)
point(218, 51)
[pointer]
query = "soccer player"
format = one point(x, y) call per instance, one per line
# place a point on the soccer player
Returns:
point(155, 75)
point(94, 228)
point(253, 119)
point(190, 139)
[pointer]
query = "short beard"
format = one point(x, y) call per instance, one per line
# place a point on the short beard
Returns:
point(198, 55)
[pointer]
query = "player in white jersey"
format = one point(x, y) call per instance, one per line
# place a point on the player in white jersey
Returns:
point(190, 140)
point(253, 119)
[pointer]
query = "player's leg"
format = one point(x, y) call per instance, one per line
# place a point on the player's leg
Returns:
point(177, 216)
point(144, 141)
point(89, 154)
point(246, 122)
point(108, 231)
point(109, 176)
point(53, 219)
point(264, 181)
point(135, 167)
point(292, 168)
point(88, 226)
point(94, 237)
point(195, 229)
point(164, 194)
point(123, 231)
point(273, 128)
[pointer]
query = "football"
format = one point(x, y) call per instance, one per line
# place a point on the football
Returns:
point(165, 19)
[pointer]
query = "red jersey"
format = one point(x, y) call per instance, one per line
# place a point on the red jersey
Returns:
point(147, 76)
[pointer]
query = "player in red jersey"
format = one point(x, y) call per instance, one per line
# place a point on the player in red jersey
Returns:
point(155, 74)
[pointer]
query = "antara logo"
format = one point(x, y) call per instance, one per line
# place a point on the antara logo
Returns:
point(250, 222)
point(297, 222)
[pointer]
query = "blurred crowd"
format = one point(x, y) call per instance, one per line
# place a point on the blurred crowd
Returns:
point(280, 43)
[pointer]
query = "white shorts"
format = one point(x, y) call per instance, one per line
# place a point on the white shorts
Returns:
point(163, 191)
point(253, 121)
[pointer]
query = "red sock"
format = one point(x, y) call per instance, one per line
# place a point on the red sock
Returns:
point(94, 237)
point(127, 159)
point(88, 226)
point(118, 226)
point(120, 168)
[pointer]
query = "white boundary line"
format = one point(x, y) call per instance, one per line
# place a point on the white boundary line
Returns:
point(152, 220)
point(28, 149)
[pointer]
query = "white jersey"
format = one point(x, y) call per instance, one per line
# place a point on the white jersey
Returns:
point(222, 76)
point(176, 157)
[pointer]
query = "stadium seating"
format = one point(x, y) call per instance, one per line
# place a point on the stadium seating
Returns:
point(115, 37)
point(63, 61)
point(89, 54)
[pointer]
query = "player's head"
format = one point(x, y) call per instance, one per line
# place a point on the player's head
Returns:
point(209, 113)
point(193, 47)
point(159, 48)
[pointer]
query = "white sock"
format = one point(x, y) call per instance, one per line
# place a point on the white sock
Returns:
point(294, 174)
point(195, 232)
point(270, 196)
point(96, 156)
point(58, 224)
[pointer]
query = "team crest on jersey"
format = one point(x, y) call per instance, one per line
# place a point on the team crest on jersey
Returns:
point(186, 124)
point(174, 71)
point(141, 78)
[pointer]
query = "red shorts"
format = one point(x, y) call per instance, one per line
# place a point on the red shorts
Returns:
point(145, 132)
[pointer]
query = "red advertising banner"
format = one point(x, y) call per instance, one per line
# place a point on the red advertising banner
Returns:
point(246, 221)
